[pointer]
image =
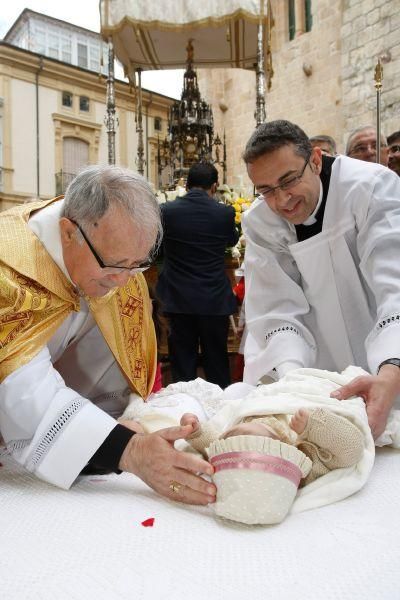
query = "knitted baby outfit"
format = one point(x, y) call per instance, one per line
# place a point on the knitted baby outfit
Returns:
point(329, 440)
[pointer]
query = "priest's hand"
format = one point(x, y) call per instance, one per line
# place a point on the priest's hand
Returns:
point(171, 473)
point(378, 392)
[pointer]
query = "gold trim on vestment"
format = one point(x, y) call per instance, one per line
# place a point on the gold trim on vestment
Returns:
point(36, 297)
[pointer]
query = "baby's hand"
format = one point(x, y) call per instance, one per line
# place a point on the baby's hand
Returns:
point(299, 420)
point(190, 419)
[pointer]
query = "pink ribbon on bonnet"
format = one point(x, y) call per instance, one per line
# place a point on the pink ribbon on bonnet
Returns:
point(258, 462)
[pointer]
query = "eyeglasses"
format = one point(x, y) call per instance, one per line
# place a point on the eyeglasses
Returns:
point(285, 185)
point(394, 149)
point(110, 269)
point(363, 148)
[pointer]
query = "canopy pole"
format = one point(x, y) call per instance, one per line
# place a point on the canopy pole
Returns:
point(224, 160)
point(139, 123)
point(110, 120)
point(378, 86)
point(260, 114)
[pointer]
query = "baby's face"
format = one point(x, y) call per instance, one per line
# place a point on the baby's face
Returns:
point(250, 428)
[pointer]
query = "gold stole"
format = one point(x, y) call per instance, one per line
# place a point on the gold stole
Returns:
point(36, 297)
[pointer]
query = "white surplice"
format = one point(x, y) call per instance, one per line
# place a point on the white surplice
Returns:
point(333, 299)
point(46, 418)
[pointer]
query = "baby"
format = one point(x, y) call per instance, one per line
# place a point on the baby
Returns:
point(329, 440)
point(266, 442)
point(260, 462)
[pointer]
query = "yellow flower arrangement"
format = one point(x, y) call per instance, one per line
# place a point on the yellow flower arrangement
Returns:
point(240, 204)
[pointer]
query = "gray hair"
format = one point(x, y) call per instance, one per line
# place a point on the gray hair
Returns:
point(96, 189)
point(359, 130)
point(324, 138)
point(271, 136)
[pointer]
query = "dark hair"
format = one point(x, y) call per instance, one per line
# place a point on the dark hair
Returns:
point(393, 137)
point(325, 138)
point(202, 175)
point(271, 136)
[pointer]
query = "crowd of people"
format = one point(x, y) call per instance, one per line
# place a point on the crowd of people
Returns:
point(77, 337)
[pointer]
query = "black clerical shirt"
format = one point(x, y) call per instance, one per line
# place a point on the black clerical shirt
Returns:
point(304, 232)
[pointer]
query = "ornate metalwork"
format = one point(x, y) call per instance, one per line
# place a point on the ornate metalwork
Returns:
point(140, 162)
point(378, 76)
point(110, 120)
point(190, 130)
point(260, 114)
point(217, 143)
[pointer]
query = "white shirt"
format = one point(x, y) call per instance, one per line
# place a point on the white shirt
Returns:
point(333, 299)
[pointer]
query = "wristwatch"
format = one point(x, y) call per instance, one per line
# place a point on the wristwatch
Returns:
point(390, 361)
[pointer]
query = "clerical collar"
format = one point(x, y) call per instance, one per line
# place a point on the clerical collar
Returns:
point(45, 225)
point(314, 223)
point(312, 218)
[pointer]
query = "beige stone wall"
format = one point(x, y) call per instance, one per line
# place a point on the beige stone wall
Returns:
point(18, 71)
point(371, 28)
point(341, 49)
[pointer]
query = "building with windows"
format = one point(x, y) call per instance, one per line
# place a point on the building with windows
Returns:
point(52, 109)
point(323, 57)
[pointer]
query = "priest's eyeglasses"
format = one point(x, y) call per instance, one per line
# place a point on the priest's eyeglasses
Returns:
point(111, 269)
point(288, 184)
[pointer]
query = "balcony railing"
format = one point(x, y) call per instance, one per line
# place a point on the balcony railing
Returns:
point(63, 180)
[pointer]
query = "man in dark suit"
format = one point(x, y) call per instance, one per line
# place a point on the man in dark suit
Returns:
point(193, 287)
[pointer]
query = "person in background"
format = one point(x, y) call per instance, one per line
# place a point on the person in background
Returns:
point(193, 287)
point(361, 144)
point(394, 152)
point(326, 143)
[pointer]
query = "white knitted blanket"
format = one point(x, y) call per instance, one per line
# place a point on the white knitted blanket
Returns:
point(308, 388)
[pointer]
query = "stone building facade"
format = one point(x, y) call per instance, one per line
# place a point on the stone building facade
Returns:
point(52, 109)
point(323, 77)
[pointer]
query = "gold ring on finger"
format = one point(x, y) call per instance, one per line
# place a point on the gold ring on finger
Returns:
point(175, 487)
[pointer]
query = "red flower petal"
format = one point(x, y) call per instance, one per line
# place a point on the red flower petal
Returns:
point(148, 522)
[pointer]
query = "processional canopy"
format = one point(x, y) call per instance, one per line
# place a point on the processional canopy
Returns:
point(153, 34)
